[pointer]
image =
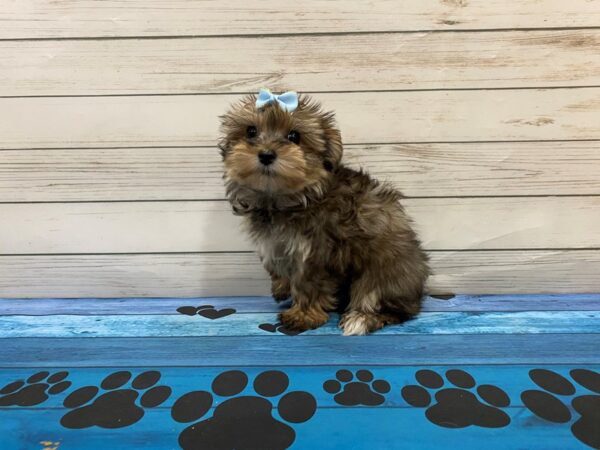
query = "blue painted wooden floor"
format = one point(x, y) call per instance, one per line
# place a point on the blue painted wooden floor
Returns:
point(506, 372)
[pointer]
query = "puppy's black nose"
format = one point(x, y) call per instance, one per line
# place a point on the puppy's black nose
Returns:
point(266, 157)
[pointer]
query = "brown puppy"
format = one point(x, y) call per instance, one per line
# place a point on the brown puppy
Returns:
point(331, 237)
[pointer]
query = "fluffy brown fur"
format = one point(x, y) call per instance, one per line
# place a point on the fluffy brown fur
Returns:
point(331, 237)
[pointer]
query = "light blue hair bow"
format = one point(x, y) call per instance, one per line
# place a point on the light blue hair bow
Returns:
point(288, 100)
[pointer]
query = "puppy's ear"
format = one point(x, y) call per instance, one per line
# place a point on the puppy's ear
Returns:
point(224, 145)
point(227, 130)
point(333, 143)
point(234, 123)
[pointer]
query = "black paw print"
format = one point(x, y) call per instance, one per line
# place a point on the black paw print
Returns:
point(458, 408)
point(547, 406)
point(365, 391)
point(278, 327)
point(35, 390)
point(115, 408)
point(207, 311)
point(243, 422)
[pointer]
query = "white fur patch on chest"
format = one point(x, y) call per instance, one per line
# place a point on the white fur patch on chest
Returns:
point(283, 253)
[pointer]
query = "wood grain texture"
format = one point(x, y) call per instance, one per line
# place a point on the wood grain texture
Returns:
point(462, 169)
point(305, 63)
point(168, 306)
point(334, 350)
point(427, 323)
point(76, 18)
point(209, 226)
point(193, 275)
point(367, 117)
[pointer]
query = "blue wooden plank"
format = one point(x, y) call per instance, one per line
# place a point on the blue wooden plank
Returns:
point(512, 379)
point(328, 429)
point(302, 350)
point(130, 306)
point(127, 306)
point(574, 322)
point(337, 426)
point(528, 302)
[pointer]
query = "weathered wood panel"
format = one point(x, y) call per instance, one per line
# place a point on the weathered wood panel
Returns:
point(335, 350)
point(153, 227)
point(419, 170)
point(162, 306)
point(428, 323)
point(193, 275)
point(364, 117)
point(313, 63)
point(76, 18)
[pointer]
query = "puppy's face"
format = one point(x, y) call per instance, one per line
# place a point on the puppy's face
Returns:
point(274, 151)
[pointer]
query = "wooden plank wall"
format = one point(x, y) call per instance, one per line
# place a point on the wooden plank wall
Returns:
point(485, 113)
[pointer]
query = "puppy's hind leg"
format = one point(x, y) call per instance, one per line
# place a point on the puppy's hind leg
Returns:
point(366, 311)
point(362, 314)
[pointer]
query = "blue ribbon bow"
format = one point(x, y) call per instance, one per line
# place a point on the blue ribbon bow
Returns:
point(288, 100)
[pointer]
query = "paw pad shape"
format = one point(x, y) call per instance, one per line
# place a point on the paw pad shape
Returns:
point(545, 404)
point(457, 407)
point(364, 391)
point(115, 408)
point(243, 421)
point(34, 390)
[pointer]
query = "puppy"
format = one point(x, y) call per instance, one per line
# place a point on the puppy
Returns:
point(331, 237)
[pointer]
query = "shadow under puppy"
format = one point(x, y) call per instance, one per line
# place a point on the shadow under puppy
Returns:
point(331, 237)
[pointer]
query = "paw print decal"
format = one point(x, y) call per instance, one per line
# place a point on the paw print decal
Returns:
point(115, 408)
point(365, 391)
point(278, 327)
point(207, 311)
point(545, 404)
point(243, 422)
point(457, 407)
point(35, 390)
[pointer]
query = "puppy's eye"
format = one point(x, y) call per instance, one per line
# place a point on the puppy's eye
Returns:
point(293, 136)
point(251, 132)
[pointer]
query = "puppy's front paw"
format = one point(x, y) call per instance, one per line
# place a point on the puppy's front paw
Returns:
point(280, 288)
point(303, 319)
